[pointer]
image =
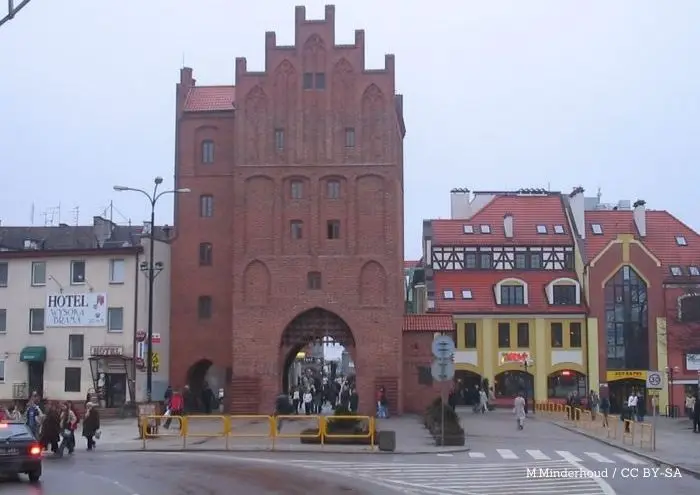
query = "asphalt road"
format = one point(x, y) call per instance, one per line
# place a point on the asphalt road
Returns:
point(182, 474)
point(502, 461)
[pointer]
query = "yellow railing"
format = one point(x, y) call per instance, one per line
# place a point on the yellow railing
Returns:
point(233, 427)
point(627, 431)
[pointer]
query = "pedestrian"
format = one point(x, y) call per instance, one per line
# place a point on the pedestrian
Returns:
point(696, 414)
point(175, 408)
point(282, 408)
point(91, 425)
point(308, 398)
point(605, 410)
point(519, 410)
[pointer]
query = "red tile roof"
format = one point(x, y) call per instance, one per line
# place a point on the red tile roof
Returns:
point(481, 285)
point(210, 99)
point(528, 212)
point(428, 323)
point(662, 230)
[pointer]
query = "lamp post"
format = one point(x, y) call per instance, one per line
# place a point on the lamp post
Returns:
point(13, 9)
point(670, 371)
point(151, 269)
point(527, 362)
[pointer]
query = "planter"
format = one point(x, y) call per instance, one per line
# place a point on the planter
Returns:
point(333, 440)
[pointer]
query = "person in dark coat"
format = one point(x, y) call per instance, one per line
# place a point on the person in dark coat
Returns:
point(91, 424)
point(696, 414)
point(50, 429)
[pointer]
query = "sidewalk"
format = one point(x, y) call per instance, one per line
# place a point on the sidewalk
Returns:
point(676, 444)
point(253, 435)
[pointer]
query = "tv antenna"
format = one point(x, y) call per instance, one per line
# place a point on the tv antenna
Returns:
point(76, 215)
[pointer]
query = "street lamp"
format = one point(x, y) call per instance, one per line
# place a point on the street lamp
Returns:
point(527, 362)
point(13, 9)
point(151, 269)
point(670, 371)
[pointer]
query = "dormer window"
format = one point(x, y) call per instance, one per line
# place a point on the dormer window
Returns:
point(694, 271)
point(564, 295)
point(448, 294)
point(597, 229)
point(676, 271)
point(512, 295)
point(468, 229)
point(559, 229)
point(541, 229)
point(466, 294)
point(681, 241)
point(485, 229)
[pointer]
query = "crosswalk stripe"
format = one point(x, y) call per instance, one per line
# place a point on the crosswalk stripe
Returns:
point(630, 459)
point(477, 455)
point(568, 456)
point(538, 455)
point(506, 453)
point(597, 457)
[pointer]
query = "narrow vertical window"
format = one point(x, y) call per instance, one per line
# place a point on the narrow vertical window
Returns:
point(333, 229)
point(296, 229)
point(349, 137)
point(320, 80)
point(206, 205)
point(279, 139)
point(208, 151)
point(297, 189)
point(308, 80)
point(333, 189)
point(206, 254)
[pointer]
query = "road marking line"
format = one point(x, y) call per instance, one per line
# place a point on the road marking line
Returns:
point(538, 455)
point(630, 459)
point(604, 485)
point(445, 455)
point(597, 457)
point(568, 456)
point(477, 455)
point(506, 453)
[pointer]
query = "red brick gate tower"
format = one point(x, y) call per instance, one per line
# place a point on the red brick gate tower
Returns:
point(308, 210)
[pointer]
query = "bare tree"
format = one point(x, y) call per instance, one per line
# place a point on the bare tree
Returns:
point(13, 9)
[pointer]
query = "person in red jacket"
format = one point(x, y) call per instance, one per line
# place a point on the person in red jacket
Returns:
point(176, 407)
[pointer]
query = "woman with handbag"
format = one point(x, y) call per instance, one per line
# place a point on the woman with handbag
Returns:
point(91, 425)
point(68, 422)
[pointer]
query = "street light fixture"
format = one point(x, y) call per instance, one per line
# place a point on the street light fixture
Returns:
point(151, 269)
point(527, 362)
point(670, 371)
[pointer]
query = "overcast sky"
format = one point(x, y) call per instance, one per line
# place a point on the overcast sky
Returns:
point(498, 94)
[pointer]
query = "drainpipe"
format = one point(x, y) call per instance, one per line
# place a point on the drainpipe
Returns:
point(588, 343)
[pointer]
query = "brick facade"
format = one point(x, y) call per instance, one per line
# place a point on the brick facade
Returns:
point(278, 131)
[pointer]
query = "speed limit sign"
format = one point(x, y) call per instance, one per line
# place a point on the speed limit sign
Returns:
point(655, 380)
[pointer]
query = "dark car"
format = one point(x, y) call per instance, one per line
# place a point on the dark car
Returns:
point(19, 451)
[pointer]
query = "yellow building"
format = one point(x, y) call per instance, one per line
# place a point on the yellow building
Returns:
point(545, 355)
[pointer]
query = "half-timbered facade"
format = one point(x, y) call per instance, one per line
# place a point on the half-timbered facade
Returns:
point(503, 266)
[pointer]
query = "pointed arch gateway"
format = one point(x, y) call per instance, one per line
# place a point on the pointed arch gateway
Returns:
point(313, 326)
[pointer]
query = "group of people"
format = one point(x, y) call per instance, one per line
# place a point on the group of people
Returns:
point(311, 397)
point(56, 426)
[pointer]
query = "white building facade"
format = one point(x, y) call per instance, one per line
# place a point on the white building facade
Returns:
point(70, 310)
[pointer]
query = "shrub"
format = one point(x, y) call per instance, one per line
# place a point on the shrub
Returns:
point(454, 433)
point(340, 425)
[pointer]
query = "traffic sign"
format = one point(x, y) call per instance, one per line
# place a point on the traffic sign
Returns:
point(655, 380)
point(443, 370)
point(443, 347)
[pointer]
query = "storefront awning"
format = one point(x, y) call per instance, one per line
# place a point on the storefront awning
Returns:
point(33, 354)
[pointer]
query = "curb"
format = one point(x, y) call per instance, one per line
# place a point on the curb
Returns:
point(456, 450)
point(654, 459)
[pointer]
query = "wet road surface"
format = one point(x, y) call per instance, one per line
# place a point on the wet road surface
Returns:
point(139, 474)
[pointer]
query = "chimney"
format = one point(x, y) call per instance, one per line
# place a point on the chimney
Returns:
point(578, 210)
point(459, 204)
point(640, 217)
point(102, 230)
point(508, 225)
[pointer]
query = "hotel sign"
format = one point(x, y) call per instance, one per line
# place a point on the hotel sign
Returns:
point(106, 350)
point(76, 310)
point(506, 357)
point(626, 375)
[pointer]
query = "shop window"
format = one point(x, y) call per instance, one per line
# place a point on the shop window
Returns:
point(556, 335)
point(523, 335)
point(470, 335)
point(504, 335)
point(575, 335)
point(510, 383)
point(562, 383)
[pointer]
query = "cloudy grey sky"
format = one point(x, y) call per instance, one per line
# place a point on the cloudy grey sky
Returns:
point(498, 94)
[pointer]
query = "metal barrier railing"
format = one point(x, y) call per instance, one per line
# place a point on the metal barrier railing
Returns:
point(627, 431)
point(152, 428)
